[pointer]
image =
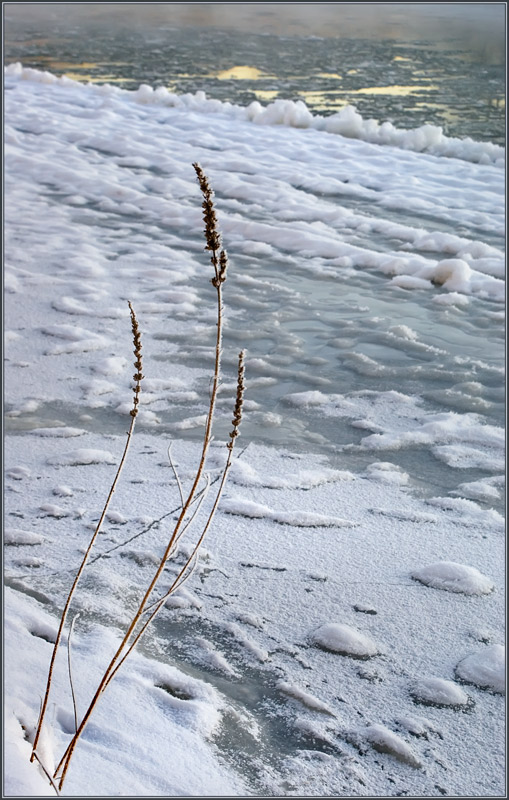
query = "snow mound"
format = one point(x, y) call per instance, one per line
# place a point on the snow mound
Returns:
point(452, 577)
point(246, 475)
point(345, 640)
point(52, 510)
point(58, 432)
point(296, 519)
point(18, 473)
point(385, 741)
point(307, 699)
point(16, 536)
point(485, 669)
point(439, 692)
point(82, 456)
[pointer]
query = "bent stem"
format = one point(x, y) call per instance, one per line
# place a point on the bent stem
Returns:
point(134, 411)
point(219, 261)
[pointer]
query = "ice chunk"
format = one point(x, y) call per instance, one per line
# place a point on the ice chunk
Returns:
point(385, 741)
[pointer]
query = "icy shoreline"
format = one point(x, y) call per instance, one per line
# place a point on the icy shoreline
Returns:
point(347, 122)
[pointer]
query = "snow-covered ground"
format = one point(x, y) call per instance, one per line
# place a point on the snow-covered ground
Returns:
point(343, 633)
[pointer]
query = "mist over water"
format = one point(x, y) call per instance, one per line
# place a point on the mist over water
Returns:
point(478, 27)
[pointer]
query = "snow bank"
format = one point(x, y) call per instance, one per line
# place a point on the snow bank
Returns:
point(17, 536)
point(346, 122)
point(82, 456)
point(307, 699)
point(297, 519)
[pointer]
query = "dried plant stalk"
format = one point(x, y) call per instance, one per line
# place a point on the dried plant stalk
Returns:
point(137, 378)
point(219, 260)
point(188, 568)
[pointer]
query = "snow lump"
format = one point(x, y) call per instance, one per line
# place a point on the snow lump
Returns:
point(343, 639)
point(485, 669)
point(385, 741)
point(452, 577)
point(439, 692)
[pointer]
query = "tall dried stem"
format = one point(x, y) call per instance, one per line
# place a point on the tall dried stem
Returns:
point(219, 260)
point(134, 411)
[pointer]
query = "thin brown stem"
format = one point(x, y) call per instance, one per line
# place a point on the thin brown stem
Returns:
point(74, 586)
point(69, 667)
point(138, 377)
point(219, 262)
point(48, 775)
point(118, 654)
point(182, 576)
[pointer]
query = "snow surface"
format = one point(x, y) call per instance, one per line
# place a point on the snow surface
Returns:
point(302, 657)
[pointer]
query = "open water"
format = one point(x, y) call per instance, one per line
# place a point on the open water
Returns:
point(449, 74)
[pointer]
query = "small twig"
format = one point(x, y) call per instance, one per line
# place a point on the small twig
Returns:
point(69, 667)
point(172, 465)
point(48, 775)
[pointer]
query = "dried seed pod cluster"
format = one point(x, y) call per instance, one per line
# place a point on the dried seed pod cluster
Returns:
point(212, 237)
point(138, 377)
point(239, 401)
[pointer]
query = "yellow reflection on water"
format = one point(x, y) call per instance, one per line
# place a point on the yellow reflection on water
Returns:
point(78, 76)
point(401, 58)
point(31, 43)
point(329, 75)
point(268, 95)
point(447, 113)
point(52, 62)
point(70, 65)
point(394, 90)
point(240, 73)
point(323, 101)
